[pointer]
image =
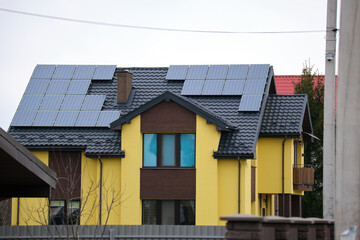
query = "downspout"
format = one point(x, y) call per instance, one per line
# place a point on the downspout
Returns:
point(18, 212)
point(239, 185)
point(283, 175)
point(100, 199)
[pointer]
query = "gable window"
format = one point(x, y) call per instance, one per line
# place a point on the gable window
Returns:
point(168, 212)
point(169, 150)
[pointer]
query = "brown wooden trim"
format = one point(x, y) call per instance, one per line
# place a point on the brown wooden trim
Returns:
point(253, 183)
point(304, 175)
point(177, 150)
point(303, 187)
point(167, 183)
point(168, 117)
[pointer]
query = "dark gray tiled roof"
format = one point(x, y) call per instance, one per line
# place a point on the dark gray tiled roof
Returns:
point(95, 140)
point(148, 84)
point(284, 115)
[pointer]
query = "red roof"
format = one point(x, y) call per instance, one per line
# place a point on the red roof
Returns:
point(285, 83)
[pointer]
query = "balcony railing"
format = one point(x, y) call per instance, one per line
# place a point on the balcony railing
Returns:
point(303, 178)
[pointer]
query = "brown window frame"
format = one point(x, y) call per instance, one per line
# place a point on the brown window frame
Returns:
point(160, 157)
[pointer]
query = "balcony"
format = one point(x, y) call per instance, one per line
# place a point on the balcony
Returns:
point(303, 178)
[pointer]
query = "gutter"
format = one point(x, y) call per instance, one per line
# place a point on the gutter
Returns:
point(233, 156)
point(283, 176)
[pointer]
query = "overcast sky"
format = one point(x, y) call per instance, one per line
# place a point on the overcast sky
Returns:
point(27, 40)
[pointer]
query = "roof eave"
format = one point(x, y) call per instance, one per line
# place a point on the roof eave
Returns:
point(233, 156)
point(280, 135)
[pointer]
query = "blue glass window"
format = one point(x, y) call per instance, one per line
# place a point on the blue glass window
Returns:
point(150, 150)
point(187, 150)
point(168, 150)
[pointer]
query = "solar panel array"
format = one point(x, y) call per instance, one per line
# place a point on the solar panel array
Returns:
point(56, 96)
point(247, 81)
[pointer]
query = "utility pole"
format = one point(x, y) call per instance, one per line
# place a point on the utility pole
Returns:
point(329, 113)
point(347, 214)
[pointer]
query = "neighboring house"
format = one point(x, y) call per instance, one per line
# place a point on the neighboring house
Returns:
point(177, 145)
point(285, 83)
point(21, 175)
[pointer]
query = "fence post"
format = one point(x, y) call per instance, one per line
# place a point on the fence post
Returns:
point(243, 226)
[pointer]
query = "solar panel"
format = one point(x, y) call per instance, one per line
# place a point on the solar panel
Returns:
point(64, 72)
point(254, 87)
point(197, 72)
point(104, 72)
point(66, 118)
point(177, 72)
point(233, 87)
point(58, 87)
point(23, 118)
point(43, 71)
point(192, 87)
point(217, 72)
point(258, 71)
point(30, 102)
point(93, 103)
point(107, 117)
point(84, 72)
point(237, 72)
point(87, 119)
point(78, 87)
point(52, 102)
point(250, 103)
point(72, 102)
point(213, 87)
point(45, 118)
point(37, 86)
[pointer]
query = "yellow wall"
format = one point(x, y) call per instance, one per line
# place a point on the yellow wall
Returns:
point(131, 207)
point(207, 141)
point(270, 165)
point(89, 190)
point(245, 187)
point(112, 193)
point(33, 211)
point(228, 187)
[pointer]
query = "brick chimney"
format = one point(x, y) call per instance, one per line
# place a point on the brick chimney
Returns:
point(124, 80)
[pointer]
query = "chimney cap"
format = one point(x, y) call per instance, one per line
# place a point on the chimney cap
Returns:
point(124, 71)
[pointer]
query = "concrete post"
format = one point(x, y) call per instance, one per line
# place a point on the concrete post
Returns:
point(329, 113)
point(347, 212)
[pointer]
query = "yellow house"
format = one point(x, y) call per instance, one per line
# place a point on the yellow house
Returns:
point(179, 145)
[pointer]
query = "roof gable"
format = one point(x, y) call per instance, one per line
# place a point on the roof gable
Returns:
point(286, 115)
point(186, 103)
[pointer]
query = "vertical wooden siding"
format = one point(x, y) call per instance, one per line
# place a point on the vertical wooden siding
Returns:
point(67, 166)
point(168, 117)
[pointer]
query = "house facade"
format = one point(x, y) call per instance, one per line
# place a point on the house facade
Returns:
point(178, 145)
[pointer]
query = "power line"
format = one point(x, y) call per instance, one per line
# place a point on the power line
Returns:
point(152, 28)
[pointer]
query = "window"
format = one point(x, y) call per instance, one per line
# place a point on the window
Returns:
point(169, 150)
point(63, 212)
point(168, 212)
